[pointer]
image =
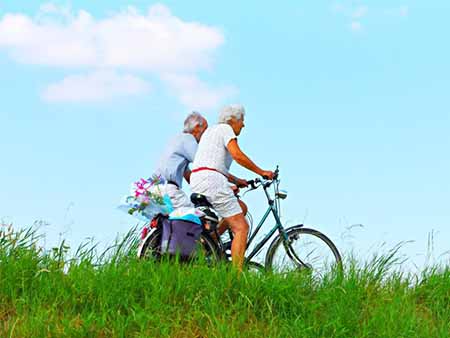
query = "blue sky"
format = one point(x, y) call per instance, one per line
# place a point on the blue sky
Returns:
point(350, 98)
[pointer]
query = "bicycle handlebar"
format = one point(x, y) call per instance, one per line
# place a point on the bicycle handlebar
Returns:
point(253, 183)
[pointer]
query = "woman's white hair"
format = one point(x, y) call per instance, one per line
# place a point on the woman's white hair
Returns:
point(192, 120)
point(232, 110)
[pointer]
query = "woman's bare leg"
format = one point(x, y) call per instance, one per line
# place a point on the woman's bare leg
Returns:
point(239, 226)
point(223, 225)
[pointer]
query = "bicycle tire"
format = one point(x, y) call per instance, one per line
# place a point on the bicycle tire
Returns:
point(255, 267)
point(151, 247)
point(329, 254)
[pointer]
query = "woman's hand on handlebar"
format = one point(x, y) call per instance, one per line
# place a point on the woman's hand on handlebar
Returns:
point(268, 174)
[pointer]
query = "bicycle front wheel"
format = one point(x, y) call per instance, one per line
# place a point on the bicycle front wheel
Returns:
point(304, 249)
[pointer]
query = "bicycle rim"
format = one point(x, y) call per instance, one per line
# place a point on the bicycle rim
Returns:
point(151, 249)
point(207, 250)
point(306, 250)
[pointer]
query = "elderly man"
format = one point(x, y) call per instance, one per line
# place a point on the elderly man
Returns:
point(210, 174)
point(174, 163)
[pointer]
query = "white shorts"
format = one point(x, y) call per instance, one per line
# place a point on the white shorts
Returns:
point(177, 196)
point(217, 190)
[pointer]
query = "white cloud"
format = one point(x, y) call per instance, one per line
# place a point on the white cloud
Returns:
point(157, 41)
point(95, 86)
point(195, 94)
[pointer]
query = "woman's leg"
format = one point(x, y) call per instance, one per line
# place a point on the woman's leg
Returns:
point(223, 225)
point(239, 226)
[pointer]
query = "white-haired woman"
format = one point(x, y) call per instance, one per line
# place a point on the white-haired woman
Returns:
point(210, 174)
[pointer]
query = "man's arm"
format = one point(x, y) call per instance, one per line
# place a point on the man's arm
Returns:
point(189, 149)
point(187, 176)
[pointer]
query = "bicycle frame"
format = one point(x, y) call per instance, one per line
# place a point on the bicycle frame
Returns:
point(274, 206)
point(272, 209)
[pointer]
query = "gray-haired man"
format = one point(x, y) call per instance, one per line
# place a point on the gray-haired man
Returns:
point(180, 152)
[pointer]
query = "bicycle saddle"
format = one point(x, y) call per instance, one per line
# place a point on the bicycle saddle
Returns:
point(203, 205)
point(200, 200)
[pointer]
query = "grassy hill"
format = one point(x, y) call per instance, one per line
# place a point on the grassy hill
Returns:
point(46, 294)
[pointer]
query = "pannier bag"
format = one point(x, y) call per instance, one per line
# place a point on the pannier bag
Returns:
point(180, 236)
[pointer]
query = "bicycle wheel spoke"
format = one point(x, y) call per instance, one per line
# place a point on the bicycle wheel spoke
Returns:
point(206, 251)
point(306, 250)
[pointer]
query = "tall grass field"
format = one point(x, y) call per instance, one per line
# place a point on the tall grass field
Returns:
point(112, 294)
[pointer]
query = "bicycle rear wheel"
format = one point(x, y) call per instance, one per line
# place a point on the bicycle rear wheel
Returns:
point(150, 248)
point(305, 249)
point(206, 248)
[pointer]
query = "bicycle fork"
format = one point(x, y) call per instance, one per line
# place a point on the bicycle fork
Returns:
point(291, 253)
point(287, 243)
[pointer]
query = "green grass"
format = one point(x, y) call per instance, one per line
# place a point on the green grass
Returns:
point(46, 294)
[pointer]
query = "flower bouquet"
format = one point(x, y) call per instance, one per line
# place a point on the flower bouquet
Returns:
point(147, 198)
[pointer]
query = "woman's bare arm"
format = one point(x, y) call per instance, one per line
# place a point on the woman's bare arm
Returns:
point(237, 154)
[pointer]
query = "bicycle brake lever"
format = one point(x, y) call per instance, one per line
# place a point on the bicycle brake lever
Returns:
point(251, 183)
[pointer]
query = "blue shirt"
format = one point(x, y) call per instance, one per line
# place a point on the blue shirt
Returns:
point(176, 158)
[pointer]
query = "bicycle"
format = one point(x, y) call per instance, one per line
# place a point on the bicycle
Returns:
point(316, 252)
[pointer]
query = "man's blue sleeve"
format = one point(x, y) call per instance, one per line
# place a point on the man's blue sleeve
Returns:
point(190, 148)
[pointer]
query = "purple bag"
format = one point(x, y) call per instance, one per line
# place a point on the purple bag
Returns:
point(179, 236)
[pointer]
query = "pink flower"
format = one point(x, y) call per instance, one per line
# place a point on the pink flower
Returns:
point(144, 199)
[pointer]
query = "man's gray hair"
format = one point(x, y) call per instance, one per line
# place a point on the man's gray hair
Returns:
point(233, 110)
point(192, 120)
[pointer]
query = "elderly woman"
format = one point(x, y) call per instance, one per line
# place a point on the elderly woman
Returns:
point(210, 174)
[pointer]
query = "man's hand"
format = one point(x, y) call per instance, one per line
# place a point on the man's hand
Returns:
point(267, 174)
point(241, 183)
